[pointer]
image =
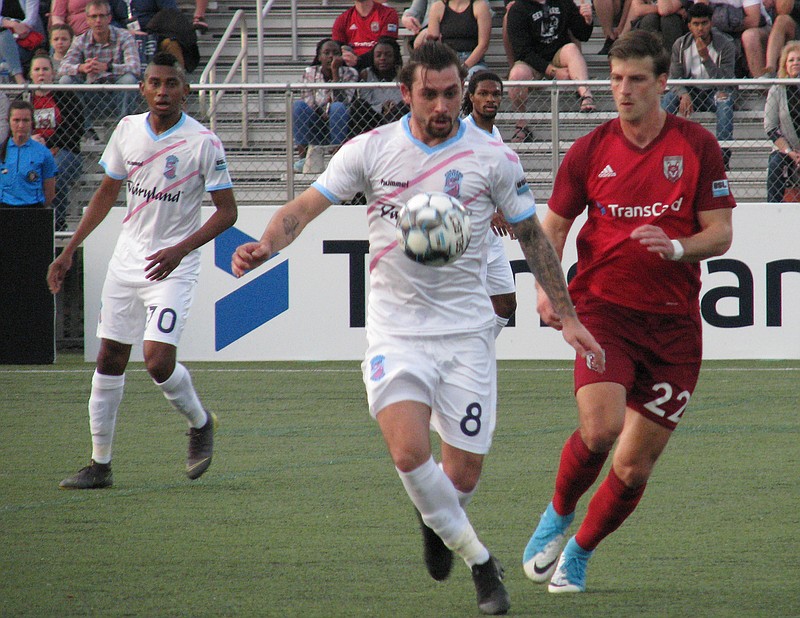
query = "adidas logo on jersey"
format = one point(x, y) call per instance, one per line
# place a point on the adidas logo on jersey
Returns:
point(607, 172)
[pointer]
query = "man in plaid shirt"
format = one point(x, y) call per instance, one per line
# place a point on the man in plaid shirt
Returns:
point(104, 54)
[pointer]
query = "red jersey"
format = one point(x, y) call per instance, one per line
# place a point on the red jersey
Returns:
point(361, 33)
point(666, 184)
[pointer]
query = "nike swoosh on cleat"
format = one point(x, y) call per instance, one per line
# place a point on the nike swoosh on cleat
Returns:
point(543, 569)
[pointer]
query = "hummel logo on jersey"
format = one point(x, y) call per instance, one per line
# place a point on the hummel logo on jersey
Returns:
point(607, 172)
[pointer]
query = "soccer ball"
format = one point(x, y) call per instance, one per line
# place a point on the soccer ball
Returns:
point(433, 229)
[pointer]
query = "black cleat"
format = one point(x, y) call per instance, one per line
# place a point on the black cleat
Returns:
point(438, 557)
point(93, 476)
point(493, 598)
point(201, 448)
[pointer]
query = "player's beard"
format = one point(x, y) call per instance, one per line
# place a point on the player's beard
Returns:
point(438, 132)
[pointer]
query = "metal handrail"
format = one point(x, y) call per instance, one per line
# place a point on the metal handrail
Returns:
point(209, 75)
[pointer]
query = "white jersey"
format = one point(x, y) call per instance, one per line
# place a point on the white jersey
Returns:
point(470, 119)
point(389, 166)
point(496, 258)
point(167, 176)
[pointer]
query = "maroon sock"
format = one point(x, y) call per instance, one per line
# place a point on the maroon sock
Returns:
point(577, 472)
point(608, 508)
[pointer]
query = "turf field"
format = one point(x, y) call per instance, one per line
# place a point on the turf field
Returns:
point(302, 514)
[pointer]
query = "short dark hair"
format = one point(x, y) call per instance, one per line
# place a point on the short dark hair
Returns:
point(166, 59)
point(431, 55)
point(699, 9)
point(20, 104)
point(639, 44)
point(477, 78)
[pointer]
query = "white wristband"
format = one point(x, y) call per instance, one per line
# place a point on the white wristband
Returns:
point(677, 250)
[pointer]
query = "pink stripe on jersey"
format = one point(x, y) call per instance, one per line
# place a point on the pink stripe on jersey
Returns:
point(159, 153)
point(177, 183)
point(469, 200)
point(381, 253)
point(418, 179)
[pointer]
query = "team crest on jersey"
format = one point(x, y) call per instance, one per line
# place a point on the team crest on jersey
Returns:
point(170, 167)
point(673, 168)
point(374, 26)
point(452, 183)
point(376, 370)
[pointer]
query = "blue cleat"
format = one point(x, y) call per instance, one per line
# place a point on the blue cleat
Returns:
point(541, 554)
point(570, 574)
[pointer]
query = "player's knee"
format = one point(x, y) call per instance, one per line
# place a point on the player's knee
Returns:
point(633, 475)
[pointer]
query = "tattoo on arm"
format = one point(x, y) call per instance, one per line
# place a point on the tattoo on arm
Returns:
point(544, 264)
point(290, 225)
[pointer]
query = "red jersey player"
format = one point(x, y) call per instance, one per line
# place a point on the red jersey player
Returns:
point(658, 202)
point(360, 27)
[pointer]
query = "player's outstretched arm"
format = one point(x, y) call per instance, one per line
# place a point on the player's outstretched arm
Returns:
point(99, 206)
point(282, 229)
point(161, 263)
point(545, 264)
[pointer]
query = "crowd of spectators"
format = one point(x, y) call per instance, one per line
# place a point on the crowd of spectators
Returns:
point(109, 41)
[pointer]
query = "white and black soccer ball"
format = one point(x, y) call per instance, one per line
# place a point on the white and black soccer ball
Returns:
point(433, 229)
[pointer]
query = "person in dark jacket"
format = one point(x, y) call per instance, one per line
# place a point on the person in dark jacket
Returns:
point(58, 119)
point(540, 36)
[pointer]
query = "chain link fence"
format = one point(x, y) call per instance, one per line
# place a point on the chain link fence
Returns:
point(278, 138)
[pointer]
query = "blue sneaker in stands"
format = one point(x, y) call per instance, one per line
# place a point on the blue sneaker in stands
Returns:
point(570, 574)
point(541, 554)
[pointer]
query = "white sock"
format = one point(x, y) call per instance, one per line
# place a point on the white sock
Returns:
point(103, 405)
point(437, 501)
point(499, 323)
point(180, 393)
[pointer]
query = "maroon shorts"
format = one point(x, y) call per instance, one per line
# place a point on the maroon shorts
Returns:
point(655, 357)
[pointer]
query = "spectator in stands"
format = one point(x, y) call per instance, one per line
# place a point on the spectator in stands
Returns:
point(22, 19)
point(58, 124)
point(747, 22)
point(73, 13)
point(104, 54)
point(360, 27)
point(415, 20)
point(540, 33)
point(322, 117)
point(666, 17)
point(614, 19)
point(9, 53)
point(784, 29)
point(755, 40)
point(376, 106)
point(780, 115)
point(703, 53)
point(61, 36)
point(173, 32)
point(27, 169)
point(465, 26)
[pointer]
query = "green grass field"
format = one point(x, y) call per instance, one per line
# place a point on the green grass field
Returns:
point(302, 514)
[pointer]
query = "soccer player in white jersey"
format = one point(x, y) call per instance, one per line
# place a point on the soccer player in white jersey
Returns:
point(167, 161)
point(481, 103)
point(430, 359)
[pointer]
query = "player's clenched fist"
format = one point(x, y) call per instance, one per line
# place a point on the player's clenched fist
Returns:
point(249, 256)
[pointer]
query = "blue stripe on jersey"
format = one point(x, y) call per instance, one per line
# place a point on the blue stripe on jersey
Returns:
point(166, 133)
point(328, 195)
point(432, 149)
point(526, 215)
point(114, 176)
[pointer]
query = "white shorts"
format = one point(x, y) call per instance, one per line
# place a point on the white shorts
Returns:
point(498, 278)
point(154, 312)
point(455, 375)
